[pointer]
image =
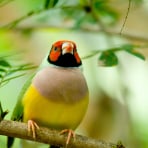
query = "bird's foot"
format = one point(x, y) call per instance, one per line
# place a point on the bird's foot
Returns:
point(71, 134)
point(32, 126)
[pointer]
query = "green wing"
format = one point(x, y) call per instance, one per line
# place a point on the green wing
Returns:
point(18, 110)
point(17, 114)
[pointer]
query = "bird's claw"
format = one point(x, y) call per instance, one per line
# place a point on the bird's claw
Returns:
point(71, 134)
point(32, 126)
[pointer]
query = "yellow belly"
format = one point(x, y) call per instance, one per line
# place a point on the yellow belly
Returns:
point(52, 114)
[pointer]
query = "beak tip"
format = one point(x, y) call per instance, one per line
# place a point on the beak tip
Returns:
point(67, 47)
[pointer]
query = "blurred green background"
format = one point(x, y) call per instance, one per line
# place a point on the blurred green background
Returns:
point(118, 82)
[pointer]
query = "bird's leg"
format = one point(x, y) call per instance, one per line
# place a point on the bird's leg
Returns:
point(32, 126)
point(70, 135)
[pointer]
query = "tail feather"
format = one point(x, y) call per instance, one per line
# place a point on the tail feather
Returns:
point(53, 146)
point(10, 141)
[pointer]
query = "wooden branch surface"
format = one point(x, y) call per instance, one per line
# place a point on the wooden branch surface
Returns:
point(48, 136)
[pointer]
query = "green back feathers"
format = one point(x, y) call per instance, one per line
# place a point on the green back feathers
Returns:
point(18, 110)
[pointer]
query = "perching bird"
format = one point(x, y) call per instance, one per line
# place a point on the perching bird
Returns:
point(57, 96)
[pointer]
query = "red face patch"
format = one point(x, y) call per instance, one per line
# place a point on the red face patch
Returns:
point(77, 57)
point(55, 53)
point(58, 51)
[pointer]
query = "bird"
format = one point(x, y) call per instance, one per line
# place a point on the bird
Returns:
point(57, 95)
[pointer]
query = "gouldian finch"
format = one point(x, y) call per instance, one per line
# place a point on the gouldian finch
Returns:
point(57, 96)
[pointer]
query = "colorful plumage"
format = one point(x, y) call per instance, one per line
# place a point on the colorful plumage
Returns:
point(57, 96)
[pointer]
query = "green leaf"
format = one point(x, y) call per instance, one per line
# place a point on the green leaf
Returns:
point(50, 3)
point(105, 12)
point(4, 63)
point(131, 49)
point(136, 53)
point(8, 79)
point(1, 76)
point(127, 47)
point(108, 58)
point(2, 70)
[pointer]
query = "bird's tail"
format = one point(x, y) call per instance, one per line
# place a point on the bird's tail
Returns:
point(53, 146)
point(10, 141)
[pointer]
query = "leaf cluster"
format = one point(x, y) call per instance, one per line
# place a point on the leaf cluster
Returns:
point(83, 13)
point(108, 57)
point(10, 71)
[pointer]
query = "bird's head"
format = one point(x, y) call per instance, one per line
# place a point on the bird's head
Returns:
point(64, 53)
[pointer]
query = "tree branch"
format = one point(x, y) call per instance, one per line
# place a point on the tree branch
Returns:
point(14, 23)
point(48, 136)
point(129, 36)
point(101, 27)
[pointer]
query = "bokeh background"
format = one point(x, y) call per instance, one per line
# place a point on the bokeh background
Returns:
point(118, 105)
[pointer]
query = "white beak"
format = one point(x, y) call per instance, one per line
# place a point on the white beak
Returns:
point(67, 47)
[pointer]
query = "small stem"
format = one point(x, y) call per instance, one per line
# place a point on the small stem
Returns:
point(125, 19)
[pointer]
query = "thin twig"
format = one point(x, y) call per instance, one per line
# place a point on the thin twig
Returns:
point(14, 23)
point(128, 35)
point(101, 28)
point(115, 49)
point(125, 19)
point(47, 136)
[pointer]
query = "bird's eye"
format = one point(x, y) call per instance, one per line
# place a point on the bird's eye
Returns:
point(55, 48)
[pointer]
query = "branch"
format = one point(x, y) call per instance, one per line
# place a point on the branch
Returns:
point(130, 36)
point(101, 27)
point(17, 21)
point(14, 23)
point(48, 136)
